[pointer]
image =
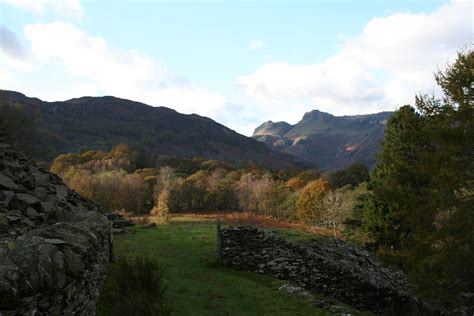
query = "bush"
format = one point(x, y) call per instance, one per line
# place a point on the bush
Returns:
point(140, 289)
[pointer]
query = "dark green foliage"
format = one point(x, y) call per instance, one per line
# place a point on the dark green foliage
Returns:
point(352, 175)
point(182, 166)
point(19, 127)
point(397, 183)
point(420, 211)
point(140, 289)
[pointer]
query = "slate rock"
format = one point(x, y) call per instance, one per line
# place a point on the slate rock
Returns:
point(54, 244)
point(7, 184)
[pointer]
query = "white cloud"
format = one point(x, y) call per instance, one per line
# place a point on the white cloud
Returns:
point(383, 67)
point(92, 67)
point(71, 8)
point(256, 44)
point(13, 55)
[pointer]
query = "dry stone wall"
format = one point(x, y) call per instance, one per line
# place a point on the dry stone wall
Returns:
point(324, 265)
point(55, 245)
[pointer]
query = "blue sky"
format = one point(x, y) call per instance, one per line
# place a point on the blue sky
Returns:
point(238, 62)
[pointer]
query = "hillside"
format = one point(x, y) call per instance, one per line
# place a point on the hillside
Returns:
point(325, 140)
point(103, 122)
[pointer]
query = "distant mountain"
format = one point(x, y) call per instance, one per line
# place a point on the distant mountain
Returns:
point(327, 141)
point(103, 122)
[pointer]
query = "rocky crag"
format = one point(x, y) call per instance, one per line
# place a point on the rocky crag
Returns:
point(55, 245)
point(324, 265)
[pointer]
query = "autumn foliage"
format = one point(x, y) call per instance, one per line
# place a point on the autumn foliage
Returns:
point(310, 204)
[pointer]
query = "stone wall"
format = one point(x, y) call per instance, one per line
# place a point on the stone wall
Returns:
point(324, 265)
point(55, 245)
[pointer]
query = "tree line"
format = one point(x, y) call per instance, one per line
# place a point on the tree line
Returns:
point(176, 185)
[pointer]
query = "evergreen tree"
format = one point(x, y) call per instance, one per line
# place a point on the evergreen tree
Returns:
point(421, 205)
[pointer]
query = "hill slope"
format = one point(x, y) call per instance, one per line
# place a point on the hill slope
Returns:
point(325, 140)
point(103, 122)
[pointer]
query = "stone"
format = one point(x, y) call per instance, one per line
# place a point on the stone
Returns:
point(41, 179)
point(31, 213)
point(7, 184)
point(295, 290)
point(55, 246)
point(61, 192)
point(55, 241)
point(7, 197)
point(47, 207)
point(13, 219)
point(339, 309)
point(330, 267)
point(23, 200)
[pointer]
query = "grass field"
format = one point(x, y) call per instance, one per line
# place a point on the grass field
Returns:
point(196, 284)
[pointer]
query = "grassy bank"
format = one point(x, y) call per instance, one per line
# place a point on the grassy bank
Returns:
point(196, 284)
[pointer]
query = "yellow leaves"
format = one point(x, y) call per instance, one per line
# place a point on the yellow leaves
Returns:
point(310, 204)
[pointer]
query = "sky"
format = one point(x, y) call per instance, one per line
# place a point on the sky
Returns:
point(238, 62)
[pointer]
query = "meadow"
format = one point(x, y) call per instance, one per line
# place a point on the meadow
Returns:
point(196, 284)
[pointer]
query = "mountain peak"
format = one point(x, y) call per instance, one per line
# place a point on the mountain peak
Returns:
point(272, 128)
point(316, 114)
point(328, 141)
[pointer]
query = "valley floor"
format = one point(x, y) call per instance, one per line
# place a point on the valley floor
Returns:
point(196, 283)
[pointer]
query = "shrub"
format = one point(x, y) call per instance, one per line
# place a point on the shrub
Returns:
point(140, 289)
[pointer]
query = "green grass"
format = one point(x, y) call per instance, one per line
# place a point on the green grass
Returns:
point(196, 284)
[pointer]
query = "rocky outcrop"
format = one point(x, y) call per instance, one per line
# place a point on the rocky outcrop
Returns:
point(327, 141)
point(327, 266)
point(55, 245)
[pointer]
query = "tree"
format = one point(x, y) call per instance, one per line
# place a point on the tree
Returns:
point(19, 127)
point(159, 213)
point(398, 183)
point(337, 206)
point(352, 175)
point(420, 207)
point(310, 204)
point(275, 201)
point(250, 190)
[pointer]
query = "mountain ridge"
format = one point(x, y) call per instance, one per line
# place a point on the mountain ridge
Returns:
point(328, 141)
point(102, 122)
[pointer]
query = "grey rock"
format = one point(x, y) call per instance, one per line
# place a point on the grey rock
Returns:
point(55, 241)
point(47, 207)
point(54, 244)
point(295, 290)
point(7, 197)
point(326, 266)
point(7, 183)
point(23, 200)
point(31, 213)
point(13, 219)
